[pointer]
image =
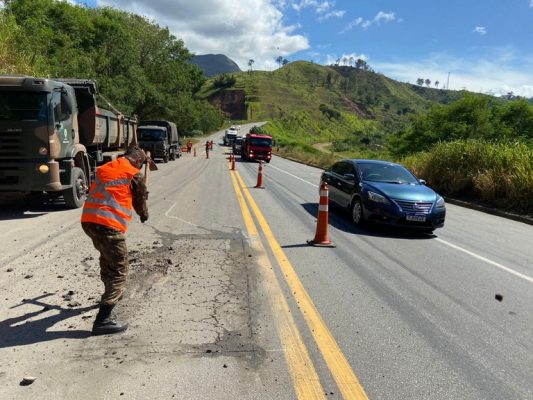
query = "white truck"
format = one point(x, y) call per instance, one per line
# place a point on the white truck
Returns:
point(229, 136)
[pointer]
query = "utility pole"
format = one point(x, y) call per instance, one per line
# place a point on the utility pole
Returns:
point(448, 82)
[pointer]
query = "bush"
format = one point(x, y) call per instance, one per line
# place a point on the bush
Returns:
point(498, 174)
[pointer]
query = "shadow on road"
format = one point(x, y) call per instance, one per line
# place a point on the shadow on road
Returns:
point(16, 332)
point(27, 206)
point(340, 220)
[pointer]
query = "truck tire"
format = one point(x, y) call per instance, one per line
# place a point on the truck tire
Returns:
point(172, 154)
point(75, 196)
point(165, 158)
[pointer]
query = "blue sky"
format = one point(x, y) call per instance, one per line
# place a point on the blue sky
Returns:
point(485, 45)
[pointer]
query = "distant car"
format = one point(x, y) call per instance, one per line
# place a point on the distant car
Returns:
point(384, 192)
point(237, 145)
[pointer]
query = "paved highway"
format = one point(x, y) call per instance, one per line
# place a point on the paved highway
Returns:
point(226, 299)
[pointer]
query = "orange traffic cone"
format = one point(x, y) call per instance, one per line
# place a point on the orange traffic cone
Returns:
point(259, 184)
point(321, 236)
point(232, 162)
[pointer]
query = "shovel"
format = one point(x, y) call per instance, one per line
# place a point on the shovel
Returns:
point(149, 165)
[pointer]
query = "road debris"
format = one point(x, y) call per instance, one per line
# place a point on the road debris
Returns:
point(27, 380)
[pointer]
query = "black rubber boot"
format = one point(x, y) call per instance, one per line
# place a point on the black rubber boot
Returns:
point(105, 325)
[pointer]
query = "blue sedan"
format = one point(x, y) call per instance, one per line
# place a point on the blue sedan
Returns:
point(384, 192)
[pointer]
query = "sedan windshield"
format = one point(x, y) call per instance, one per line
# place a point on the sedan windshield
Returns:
point(389, 173)
point(20, 106)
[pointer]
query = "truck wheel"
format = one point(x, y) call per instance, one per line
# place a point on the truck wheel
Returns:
point(172, 154)
point(75, 196)
point(165, 158)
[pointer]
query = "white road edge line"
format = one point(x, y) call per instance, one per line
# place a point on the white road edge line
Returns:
point(294, 176)
point(502, 267)
point(179, 219)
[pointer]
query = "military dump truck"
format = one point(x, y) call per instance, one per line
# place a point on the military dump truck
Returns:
point(53, 135)
point(160, 138)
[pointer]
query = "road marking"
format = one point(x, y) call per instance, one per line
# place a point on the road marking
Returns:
point(500, 266)
point(179, 219)
point(304, 376)
point(337, 363)
point(294, 176)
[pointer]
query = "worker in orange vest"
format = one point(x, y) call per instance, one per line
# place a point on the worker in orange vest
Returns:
point(207, 149)
point(189, 146)
point(119, 186)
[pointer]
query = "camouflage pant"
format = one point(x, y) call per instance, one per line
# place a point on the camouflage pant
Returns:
point(113, 260)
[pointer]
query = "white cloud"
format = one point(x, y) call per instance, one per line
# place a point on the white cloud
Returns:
point(367, 23)
point(487, 75)
point(240, 29)
point(480, 29)
point(319, 6)
point(531, 3)
point(344, 59)
point(332, 14)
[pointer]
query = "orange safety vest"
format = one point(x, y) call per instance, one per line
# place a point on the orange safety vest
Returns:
point(109, 201)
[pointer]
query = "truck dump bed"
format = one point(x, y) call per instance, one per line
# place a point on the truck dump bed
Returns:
point(99, 127)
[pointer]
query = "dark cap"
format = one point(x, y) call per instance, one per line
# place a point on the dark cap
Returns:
point(136, 156)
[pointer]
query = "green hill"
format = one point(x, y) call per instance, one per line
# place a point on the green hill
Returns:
point(317, 108)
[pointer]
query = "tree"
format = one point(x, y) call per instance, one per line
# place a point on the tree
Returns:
point(419, 81)
point(437, 84)
point(250, 64)
point(352, 59)
point(279, 60)
point(285, 62)
point(428, 82)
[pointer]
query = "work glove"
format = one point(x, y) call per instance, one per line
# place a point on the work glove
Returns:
point(144, 218)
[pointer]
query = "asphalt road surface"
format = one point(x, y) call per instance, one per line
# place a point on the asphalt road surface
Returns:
point(227, 301)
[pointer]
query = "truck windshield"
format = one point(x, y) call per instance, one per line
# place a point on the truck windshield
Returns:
point(261, 142)
point(22, 106)
point(151, 134)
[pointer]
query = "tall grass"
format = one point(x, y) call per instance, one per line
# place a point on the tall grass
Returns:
point(498, 174)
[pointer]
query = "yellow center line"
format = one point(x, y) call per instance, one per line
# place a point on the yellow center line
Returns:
point(301, 369)
point(337, 363)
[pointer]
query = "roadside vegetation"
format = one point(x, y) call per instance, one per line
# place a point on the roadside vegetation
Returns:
point(140, 67)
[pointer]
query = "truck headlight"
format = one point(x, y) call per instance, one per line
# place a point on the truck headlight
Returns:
point(43, 169)
point(43, 151)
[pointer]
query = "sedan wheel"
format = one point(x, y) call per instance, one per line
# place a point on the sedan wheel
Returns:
point(357, 212)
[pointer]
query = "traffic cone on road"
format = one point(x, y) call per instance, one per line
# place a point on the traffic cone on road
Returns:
point(232, 162)
point(259, 184)
point(321, 236)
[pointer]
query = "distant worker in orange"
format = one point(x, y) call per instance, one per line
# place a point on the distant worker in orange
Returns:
point(207, 149)
point(189, 146)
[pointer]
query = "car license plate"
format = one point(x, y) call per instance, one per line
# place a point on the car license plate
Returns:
point(417, 218)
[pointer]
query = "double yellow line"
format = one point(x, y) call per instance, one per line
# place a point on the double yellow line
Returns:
point(304, 376)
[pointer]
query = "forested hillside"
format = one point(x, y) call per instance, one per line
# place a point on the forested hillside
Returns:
point(140, 67)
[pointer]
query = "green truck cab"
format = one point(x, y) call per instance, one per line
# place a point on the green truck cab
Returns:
point(160, 138)
point(53, 135)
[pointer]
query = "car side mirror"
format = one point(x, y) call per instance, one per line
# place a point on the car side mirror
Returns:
point(349, 177)
point(422, 181)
